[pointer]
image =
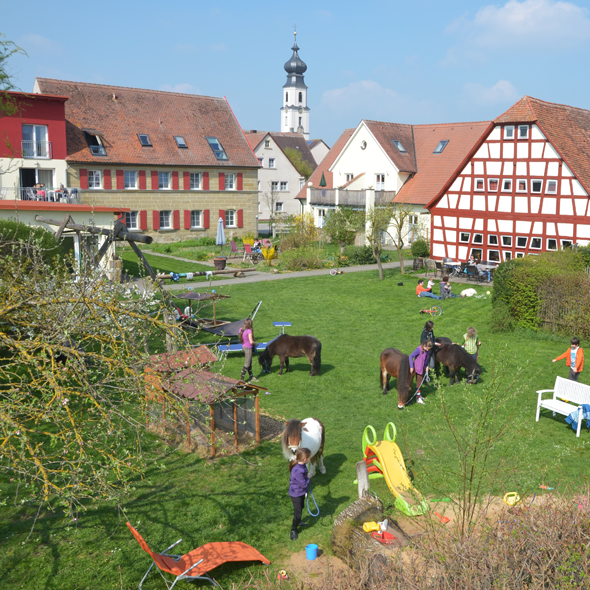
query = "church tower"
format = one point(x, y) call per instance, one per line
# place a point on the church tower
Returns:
point(295, 112)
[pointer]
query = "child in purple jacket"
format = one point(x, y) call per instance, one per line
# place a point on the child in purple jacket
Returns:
point(419, 365)
point(298, 485)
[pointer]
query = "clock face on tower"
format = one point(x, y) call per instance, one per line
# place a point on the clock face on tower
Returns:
point(300, 110)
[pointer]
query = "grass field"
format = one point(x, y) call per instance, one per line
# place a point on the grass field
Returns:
point(245, 497)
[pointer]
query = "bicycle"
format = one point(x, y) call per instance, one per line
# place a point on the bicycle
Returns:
point(434, 311)
point(336, 271)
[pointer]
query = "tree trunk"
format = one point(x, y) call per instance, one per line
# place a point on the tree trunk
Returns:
point(342, 247)
point(380, 266)
point(401, 260)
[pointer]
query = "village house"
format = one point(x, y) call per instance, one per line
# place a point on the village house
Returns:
point(178, 162)
point(523, 189)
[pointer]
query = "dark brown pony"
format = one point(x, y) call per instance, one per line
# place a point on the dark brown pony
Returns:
point(307, 434)
point(454, 357)
point(286, 346)
point(396, 364)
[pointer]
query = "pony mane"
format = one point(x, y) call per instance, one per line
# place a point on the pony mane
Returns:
point(292, 428)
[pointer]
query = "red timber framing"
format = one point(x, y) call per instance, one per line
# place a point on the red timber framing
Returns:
point(515, 196)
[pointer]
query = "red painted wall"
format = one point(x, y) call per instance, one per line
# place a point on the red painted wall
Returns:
point(35, 109)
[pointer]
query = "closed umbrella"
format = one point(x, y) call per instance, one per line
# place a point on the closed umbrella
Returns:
point(323, 185)
point(220, 239)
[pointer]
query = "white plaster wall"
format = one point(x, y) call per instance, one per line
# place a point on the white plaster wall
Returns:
point(100, 219)
point(10, 175)
point(320, 151)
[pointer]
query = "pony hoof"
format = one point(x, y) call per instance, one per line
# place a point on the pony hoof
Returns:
point(323, 471)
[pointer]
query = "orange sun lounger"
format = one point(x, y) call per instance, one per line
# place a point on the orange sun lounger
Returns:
point(196, 564)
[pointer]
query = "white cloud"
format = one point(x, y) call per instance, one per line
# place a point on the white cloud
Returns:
point(501, 92)
point(533, 25)
point(182, 88)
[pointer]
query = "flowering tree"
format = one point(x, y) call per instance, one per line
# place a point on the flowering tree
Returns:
point(72, 394)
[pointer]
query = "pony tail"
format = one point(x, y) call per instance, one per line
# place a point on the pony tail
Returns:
point(317, 359)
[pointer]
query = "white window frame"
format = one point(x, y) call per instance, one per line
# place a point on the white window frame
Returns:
point(526, 242)
point(480, 242)
point(125, 173)
point(547, 191)
point(195, 181)
point(230, 181)
point(493, 236)
point(507, 254)
point(348, 177)
point(261, 161)
point(491, 259)
point(506, 136)
point(92, 179)
point(274, 186)
point(279, 207)
point(132, 220)
point(504, 245)
point(301, 183)
point(519, 180)
point(161, 185)
point(534, 192)
point(271, 163)
point(519, 255)
point(556, 244)
point(536, 238)
point(483, 185)
point(464, 233)
point(380, 182)
point(509, 189)
point(267, 143)
point(566, 244)
point(321, 217)
point(196, 219)
point(231, 218)
point(476, 256)
point(283, 186)
point(165, 219)
point(490, 189)
point(520, 128)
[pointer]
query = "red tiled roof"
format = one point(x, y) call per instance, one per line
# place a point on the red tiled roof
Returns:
point(385, 133)
point(161, 115)
point(178, 361)
point(324, 165)
point(255, 137)
point(294, 141)
point(435, 170)
point(568, 129)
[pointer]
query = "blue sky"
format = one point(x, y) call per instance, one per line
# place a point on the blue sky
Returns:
point(420, 62)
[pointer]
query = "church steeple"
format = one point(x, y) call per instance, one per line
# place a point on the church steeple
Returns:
point(295, 112)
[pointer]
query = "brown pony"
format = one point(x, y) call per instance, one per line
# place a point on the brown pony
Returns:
point(286, 346)
point(396, 364)
point(454, 357)
point(306, 434)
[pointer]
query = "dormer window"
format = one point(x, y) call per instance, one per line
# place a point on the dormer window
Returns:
point(509, 132)
point(523, 132)
point(217, 148)
point(399, 146)
point(441, 146)
point(180, 142)
point(94, 142)
point(144, 140)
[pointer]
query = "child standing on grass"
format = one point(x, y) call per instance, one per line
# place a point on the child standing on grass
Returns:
point(471, 344)
point(574, 359)
point(298, 484)
point(246, 335)
point(419, 365)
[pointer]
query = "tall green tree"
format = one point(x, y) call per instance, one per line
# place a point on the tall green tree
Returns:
point(303, 166)
point(342, 225)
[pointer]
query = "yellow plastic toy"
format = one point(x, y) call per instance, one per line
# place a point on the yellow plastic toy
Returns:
point(512, 499)
point(371, 526)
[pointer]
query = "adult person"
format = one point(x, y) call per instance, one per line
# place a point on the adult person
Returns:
point(483, 270)
point(422, 291)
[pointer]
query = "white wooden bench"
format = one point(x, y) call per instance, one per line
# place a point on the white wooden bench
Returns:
point(567, 397)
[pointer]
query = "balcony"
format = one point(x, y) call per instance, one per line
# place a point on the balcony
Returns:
point(40, 150)
point(70, 196)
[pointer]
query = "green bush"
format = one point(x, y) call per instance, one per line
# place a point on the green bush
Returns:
point(304, 258)
point(420, 249)
point(17, 238)
point(360, 255)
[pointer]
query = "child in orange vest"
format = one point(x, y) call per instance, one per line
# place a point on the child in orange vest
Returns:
point(574, 359)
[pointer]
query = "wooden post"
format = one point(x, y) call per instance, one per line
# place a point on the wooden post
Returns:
point(362, 477)
point(188, 427)
point(214, 315)
point(236, 423)
point(257, 410)
point(212, 410)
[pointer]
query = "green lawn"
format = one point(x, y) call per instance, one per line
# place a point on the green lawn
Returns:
point(245, 498)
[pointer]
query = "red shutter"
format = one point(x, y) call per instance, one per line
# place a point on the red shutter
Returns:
point(222, 181)
point(205, 181)
point(106, 180)
point(240, 218)
point(222, 215)
point(143, 217)
point(187, 219)
point(120, 180)
point(187, 181)
point(142, 184)
point(206, 217)
point(156, 219)
point(83, 178)
point(176, 218)
point(155, 182)
point(175, 181)
point(240, 182)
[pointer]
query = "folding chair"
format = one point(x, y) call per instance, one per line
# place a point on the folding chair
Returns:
point(196, 564)
point(234, 250)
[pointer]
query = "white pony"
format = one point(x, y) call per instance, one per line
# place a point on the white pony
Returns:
point(307, 434)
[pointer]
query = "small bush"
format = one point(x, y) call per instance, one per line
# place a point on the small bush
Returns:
point(420, 249)
point(360, 255)
point(306, 257)
point(17, 237)
point(302, 232)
